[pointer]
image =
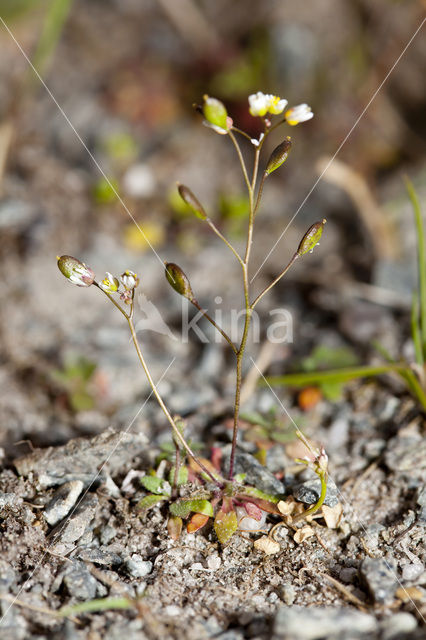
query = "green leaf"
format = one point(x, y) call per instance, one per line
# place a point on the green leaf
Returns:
point(182, 475)
point(332, 390)
point(257, 493)
point(156, 485)
point(183, 508)
point(225, 525)
point(150, 501)
point(324, 357)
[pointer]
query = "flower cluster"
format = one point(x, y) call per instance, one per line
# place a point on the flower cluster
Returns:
point(262, 103)
point(83, 276)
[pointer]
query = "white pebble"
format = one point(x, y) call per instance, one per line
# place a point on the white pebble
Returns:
point(214, 562)
point(412, 571)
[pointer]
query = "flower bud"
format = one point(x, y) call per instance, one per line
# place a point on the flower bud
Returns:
point(76, 271)
point(129, 280)
point(178, 280)
point(110, 283)
point(311, 238)
point(298, 114)
point(192, 202)
point(278, 156)
point(215, 112)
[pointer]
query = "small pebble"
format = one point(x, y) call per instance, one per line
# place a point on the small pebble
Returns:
point(412, 571)
point(309, 492)
point(214, 562)
point(137, 567)
point(62, 501)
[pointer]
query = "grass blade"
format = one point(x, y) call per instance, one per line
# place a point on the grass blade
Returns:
point(334, 375)
point(415, 330)
point(421, 258)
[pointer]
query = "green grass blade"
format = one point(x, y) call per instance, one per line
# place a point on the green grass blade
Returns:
point(421, 258)
point(333, 375)
point(415, 330)
point(55, 19)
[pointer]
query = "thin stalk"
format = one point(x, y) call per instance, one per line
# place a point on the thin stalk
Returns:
point(415, 330)
point(166, 412)
point(269, 287)
point(216, 326)
point(222, 237)
point(177, 433)
point(241, 159)
point(241, 132)
point(421, 258)
point(177, 468)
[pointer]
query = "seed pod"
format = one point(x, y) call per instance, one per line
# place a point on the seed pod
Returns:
point(178, 280)
point(75, 271)
point(311, 238)
point(192, 202)
point(215, 112)
point(278, 156)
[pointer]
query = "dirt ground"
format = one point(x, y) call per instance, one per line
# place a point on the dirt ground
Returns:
point(78, 425)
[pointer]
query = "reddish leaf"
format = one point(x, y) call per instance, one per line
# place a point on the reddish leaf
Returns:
point(197, 521)
point(253, 511)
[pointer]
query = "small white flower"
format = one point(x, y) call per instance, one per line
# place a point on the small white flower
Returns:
point(299, 113)
point(110, 283)
point(129, 279)
point(260, 103)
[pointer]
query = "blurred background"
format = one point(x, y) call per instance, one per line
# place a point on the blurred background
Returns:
point(121, 78)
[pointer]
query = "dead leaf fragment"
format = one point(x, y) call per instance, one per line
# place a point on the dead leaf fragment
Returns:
point(332, 515)
point(406, 594)
point(302, 534)
point(286, 507)
point(267, 545)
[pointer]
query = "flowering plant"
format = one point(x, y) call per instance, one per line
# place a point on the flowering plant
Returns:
point(226, 499)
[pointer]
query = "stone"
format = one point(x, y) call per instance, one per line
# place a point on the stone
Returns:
point(397, 625)
point(76, 526)
point(9, 500)
point(79, 582)
point(62, 501)
point(103, 557)
point(315, 623)
point(81, 458)
point(137, 567)
point(309, 492)
point(256, 474)
point(379, 575)
point(406, 455)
